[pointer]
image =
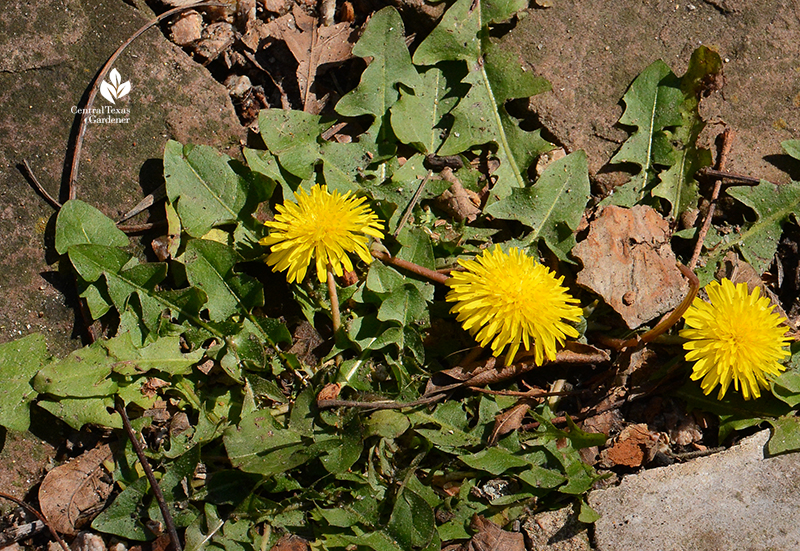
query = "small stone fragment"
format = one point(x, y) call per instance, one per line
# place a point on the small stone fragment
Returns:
point(187, 29)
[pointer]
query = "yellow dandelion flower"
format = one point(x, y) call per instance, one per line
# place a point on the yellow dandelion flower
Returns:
point(320, 225)
point(509, 299)
point(734, 337)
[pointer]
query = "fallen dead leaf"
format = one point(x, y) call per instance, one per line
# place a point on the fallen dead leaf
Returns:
point(73, 492)
point(627, 259)
point(290, 542)
point(461, 203)
point(490, 537)
point(311, 45)
point(509, 420)
point(634, 447)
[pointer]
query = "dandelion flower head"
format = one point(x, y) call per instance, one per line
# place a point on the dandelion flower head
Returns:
point(320, 225)
point(509, 299)
point(734, 337)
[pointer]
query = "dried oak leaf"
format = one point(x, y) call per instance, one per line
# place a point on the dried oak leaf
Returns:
point(634, 447)
point(311, 45)
point(627, 259)
point(490, 537)
point(73, 492)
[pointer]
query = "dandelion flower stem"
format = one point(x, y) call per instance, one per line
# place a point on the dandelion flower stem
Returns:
point(336, 316)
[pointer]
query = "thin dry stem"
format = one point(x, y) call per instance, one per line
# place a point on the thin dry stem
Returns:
point(410, 266)
point(722, 160)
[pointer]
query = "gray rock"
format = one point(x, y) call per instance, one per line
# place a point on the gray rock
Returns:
point(734, 500)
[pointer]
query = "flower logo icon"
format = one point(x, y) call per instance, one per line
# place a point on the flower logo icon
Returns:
point(117, 89)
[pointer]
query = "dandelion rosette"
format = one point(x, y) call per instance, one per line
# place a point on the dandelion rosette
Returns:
point(320, 225)
point(735, 337)
point(509, 299)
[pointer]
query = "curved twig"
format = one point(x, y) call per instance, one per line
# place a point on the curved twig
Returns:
point(76, 151)
point(40, 516)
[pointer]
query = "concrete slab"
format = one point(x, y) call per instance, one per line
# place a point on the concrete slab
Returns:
point(732, 501)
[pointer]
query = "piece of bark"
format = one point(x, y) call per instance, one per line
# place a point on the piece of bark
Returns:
point(628, 260)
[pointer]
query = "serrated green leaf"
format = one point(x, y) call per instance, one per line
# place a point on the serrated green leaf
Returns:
point(787, 388)
point(417, 118)
point(210, 268)
point(203, 187)
point(123, 517)
point(386, 424)
point(586, 514)
point(84, 373)
point(412, 522)
point(292, 136)
point(259, 445)
point(384, 41)
point(453, 431)
point(785, 436)
point(757, 241)
point(677, 184)
point(792, 147)
point(494, 460)
point(19, 362)
point(650, 105)
point(79, 223)
point(458, 35)
point(164, 355)
point(481, 118)
point(343, 451)
point(201, 532)
point(405, 305)
point(77, 412)
point(123, 277)
point(553, 206)
point(416, 247)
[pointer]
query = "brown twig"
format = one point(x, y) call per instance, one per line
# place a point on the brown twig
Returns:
point(47, 197)
point(410, 266)
point(139, 228)
point(119, 405)
point(534, 393)
point(383, 404)
point(412, 204)
point(728, 177)
point(95, 86)
point(722, 159)
point(38, 515)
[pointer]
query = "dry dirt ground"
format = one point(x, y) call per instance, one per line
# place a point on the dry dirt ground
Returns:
point(590, 52)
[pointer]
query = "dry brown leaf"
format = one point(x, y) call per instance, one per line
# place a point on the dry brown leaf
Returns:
point(461, 203)
point(311, 45)
point(509, 420)
point(490, 537)
point(329, 392)
point(634, 447)
point(71, 493)
point(290, 542)
point(628, 260)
